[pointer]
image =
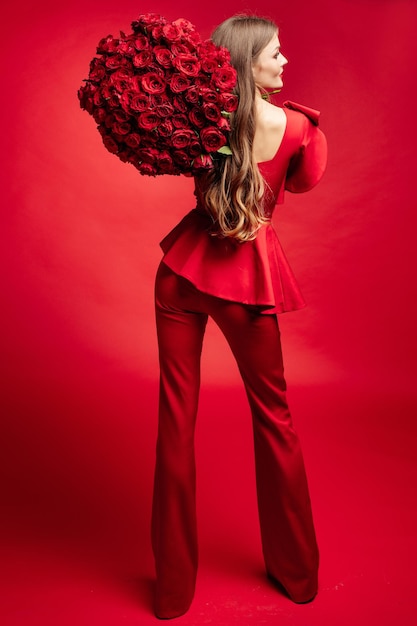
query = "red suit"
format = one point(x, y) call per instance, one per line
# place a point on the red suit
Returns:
point(242, 286)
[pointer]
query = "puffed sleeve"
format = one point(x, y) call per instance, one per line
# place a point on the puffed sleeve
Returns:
point(308, 163)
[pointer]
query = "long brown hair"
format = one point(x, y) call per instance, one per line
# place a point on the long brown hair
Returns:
point(236, 187)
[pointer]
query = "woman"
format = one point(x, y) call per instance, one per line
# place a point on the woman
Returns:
point(224, 260)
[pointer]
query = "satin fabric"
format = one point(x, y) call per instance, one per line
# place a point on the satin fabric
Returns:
point(255, 272)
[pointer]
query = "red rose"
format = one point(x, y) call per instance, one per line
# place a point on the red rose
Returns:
point(183, 25)
point(148, 120)
point(126, 48)
point(152, 83)
point(121, 116)
point(209, 64)
point(163, 55)
point(182, 159)
point(179, 48)
point(179, 83)
point(180, 120)
point(141, 42)
point(110, 144)
point(121, 128)
point(212, 139)
point(133, 140)
point(147, 169)
point(114, 101)
point(139, 102)
point(107, 44)
point(146, 19)
point(209, 95)
point(192, 95)
point(229, 102)
point(165, 109)
point(202, 81)
point(179, 104)
point(165, 129)
point(99, 115)
point(202, 162)
point(165, 163)
point(224, 78)
point(143, 58)
point(97, 70)
point(115, 61)
point(148, 155)
point(194, 149)
point(181, 138)
point(211, 111)
point(171, 32)
point(223, 124)
point(197, 117)
point(187, 64)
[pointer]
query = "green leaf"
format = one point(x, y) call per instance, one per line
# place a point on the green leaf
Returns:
point(225, 150)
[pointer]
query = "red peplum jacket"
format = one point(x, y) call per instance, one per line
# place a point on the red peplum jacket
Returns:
point(254, 272)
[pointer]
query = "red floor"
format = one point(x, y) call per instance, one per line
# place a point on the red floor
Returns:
point(78, 505)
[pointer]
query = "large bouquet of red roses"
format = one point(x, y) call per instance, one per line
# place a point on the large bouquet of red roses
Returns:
point(161, 97)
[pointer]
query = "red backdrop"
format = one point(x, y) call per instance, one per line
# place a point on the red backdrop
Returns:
point(80, 233)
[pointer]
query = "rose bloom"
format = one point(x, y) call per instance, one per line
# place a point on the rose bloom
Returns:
point(139, 102)
point(133, 140)
point(141, 42)
point(212, 139)
point(152, 83)
point(126, 47)
point(164, 162)
point(179, 83)
point(97, 70)
point(143, 58)
point(192, 95)
point(194, 149)
point(182, 158)
point(149, 155)
point(180, 120)
point(229, 102)
point(171, 32)
point(211, 111)
point(163, 56)
point(224, 78)
point(115, 61)
point(181, 138)
point(179, 104)
point(107, 44)
point(147, 169)
point(179, 48)
point(99, 115)
point(121, 128)
point(146, 19)
point(209, 95)
point(197, 117)
point(121, 116)
point(165, 129)
point(202, 162)
point(110, 144)
point(165, 109)
point(209, 64)
point(148, 120)
point(184, 25)
point(187, 64)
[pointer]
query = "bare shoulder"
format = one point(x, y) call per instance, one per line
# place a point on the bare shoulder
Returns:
point(270, 116)
point(271, 122)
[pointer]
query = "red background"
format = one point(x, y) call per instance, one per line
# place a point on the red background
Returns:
point(79, 250)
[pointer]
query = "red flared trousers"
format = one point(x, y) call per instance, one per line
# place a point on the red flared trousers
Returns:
point(287, 531)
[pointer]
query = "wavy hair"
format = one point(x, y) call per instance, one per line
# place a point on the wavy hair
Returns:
point(235, 186)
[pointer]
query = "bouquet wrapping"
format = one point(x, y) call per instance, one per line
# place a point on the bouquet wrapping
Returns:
point(162, 97)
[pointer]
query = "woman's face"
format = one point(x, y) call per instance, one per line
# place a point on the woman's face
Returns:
point(268, 67)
